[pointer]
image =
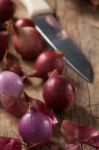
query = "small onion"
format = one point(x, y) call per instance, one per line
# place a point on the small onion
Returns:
point(28, 43)
point(3, 44)
point(7, 9)
point(24, 22)
point(8, 143)
point(35, 128)
point(46, 62)
point(10, 84)
point(59, 92)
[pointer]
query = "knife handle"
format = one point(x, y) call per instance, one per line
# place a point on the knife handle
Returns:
point(36, 7)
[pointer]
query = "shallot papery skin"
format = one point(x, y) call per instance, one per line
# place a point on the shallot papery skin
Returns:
point(15, 106)
point(7, 9)
point(59, 93)
point(42, 107)
point(3, 43)
point(75, 133)
point(11, 63)
point(72, 147)
point(28, 43)
point(14, 68)
point(10, 84)
point(7, 143)
point(46, 62)
point(35, 128)
point(24, 22)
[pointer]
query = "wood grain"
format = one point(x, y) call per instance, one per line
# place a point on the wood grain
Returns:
point(82, 23)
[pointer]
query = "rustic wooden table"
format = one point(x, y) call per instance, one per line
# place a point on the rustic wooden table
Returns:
point(82, 23)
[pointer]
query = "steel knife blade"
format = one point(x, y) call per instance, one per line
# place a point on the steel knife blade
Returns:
point(49, 27)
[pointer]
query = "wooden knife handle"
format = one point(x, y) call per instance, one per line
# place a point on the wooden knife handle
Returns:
point(36, 7)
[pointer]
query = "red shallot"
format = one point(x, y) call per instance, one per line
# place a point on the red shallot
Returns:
point(46, 62)
point(11, 84)
point(27, 42)
point(35, 127)
point(59, 92)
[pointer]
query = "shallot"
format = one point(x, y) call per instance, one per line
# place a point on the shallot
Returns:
point(46, 62)
point(27, 42)
point(11, 84)
point(59, 92)
point(35, 127)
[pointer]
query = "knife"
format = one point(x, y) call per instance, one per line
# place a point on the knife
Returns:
point(48, 26)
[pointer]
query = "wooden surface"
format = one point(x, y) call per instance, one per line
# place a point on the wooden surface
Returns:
point(82, 23)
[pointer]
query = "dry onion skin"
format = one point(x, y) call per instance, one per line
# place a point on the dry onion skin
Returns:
point(75, 134)
point(15, 106)
point(11, 63)
point(9, 143)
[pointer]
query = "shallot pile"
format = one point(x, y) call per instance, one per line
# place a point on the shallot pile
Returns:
point(37, 118)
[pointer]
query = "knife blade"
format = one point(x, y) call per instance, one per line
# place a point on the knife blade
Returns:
point(49, 27)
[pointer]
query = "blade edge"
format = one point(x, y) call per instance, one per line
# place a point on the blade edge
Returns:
point(88, 77)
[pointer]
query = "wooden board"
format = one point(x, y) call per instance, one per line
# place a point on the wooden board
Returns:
point(82, 23)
